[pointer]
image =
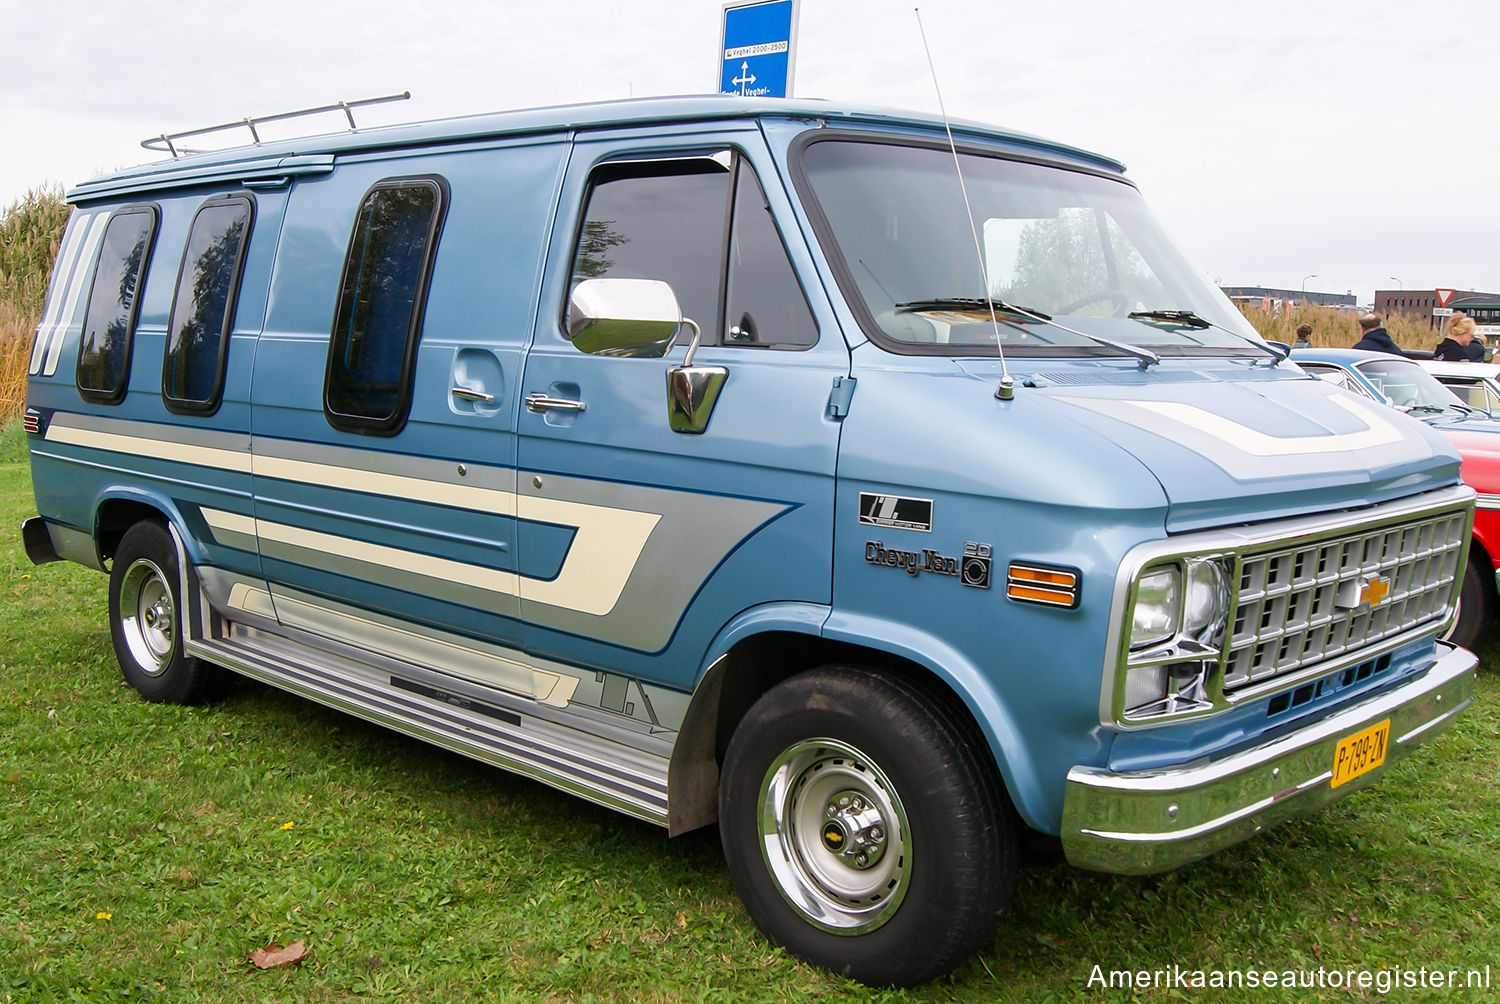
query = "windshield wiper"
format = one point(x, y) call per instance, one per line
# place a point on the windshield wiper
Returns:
point(1184, 317)
point(1192, 319)
point(1145, 356)
point(974, 303)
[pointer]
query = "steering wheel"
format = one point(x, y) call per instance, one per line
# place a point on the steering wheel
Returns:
point(1116, 296)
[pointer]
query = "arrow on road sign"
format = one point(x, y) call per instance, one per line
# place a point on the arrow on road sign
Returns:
point(746, 78)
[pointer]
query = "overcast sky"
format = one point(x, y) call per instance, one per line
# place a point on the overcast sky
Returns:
point(1353, 140)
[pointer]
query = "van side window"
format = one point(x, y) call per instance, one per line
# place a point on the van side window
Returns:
point(708, 232)
point(381, 299)
point(114, 304)
point(192, 376)
point(765, 304)
point(659, 220)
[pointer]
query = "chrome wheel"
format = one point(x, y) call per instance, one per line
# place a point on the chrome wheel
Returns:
point(835, 836)
point(148, 617)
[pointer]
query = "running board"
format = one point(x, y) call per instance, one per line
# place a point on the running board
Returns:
point(501, 730)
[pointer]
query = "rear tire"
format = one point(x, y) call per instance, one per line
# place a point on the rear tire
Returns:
point(865, 827)
point(145, 620)
point(1476, 604)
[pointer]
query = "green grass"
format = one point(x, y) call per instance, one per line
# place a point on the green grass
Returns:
point(417, 875)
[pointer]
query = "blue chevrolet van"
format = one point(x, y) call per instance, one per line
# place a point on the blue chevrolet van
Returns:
point(730, 461)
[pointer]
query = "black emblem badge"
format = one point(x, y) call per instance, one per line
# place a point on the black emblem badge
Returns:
point(976, 566)
point(896, 511)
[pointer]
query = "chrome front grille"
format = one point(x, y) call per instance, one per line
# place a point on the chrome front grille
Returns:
point(1302, 604)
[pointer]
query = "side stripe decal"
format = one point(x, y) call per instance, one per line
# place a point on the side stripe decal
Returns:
point(48, 347)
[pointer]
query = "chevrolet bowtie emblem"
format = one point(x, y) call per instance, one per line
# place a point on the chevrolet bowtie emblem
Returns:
point(1368, 592)
point(1374, 590)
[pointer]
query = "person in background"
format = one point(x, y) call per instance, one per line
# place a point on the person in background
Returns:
point(1304, 337)
point(1374, 337)
point(1460, 345)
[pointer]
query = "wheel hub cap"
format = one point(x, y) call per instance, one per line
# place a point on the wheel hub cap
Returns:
point(853, 830)
point(834, 836)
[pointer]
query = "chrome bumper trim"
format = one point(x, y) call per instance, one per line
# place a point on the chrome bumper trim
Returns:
point(1148, 821)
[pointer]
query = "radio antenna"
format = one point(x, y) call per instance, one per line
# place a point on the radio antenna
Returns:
point(1007, 388)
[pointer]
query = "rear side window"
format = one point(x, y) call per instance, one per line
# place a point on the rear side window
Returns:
point(373, 349)
point(114, 304)
point(192, 377)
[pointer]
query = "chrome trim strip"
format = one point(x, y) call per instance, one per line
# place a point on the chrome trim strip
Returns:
point(1146, 821)
point(463, 661)
point(578, 762)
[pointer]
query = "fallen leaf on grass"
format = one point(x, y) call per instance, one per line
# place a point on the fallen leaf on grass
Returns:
point(274, 955)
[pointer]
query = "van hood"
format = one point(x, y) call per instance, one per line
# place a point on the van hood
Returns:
point(1233, 446)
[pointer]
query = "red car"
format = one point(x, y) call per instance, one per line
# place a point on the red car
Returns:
point(1481, 471)
point(1405, 385)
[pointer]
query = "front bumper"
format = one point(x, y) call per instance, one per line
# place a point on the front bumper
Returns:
point(1147, 821)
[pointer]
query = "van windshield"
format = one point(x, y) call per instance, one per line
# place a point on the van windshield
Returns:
point(1062, 249)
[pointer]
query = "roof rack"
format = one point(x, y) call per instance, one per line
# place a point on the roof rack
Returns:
point(165, 142)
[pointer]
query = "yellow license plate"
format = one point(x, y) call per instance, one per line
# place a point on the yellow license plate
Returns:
point(1360, 753)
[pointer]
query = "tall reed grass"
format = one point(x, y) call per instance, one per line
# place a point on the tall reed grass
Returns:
point(30, 230)
point(1338, 329)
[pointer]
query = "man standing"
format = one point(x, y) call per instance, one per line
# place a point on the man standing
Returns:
point(1375, 338)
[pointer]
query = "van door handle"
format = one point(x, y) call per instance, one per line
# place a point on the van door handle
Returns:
point(472, 395)
point(538, 401)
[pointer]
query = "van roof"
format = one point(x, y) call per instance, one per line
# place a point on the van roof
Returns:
point(315, 154)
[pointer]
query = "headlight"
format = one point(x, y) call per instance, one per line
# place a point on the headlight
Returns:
point(1157, 608)
point(1207, 601)
point(1177, 629)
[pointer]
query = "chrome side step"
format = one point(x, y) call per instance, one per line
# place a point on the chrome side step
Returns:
point(499, 729)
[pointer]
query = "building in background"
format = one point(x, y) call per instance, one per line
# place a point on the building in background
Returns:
point(1434, 306)
point(1271, 297)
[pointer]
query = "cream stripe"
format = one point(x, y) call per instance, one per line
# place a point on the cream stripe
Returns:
point(600, 559)
point(207, 456)
point(492, 579)
point(233, 522)
point(1377, 431)
point(598, 565)
point(604, 552)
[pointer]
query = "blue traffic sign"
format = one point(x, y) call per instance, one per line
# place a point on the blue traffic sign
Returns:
point(758, 46)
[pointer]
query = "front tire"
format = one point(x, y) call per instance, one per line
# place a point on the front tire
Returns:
point(865, 828)
point(146, 620)
point(1476, 604)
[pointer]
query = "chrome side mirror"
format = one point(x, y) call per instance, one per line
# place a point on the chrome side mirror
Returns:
point(692, 391)
point(637, 318)
point(640, 318)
